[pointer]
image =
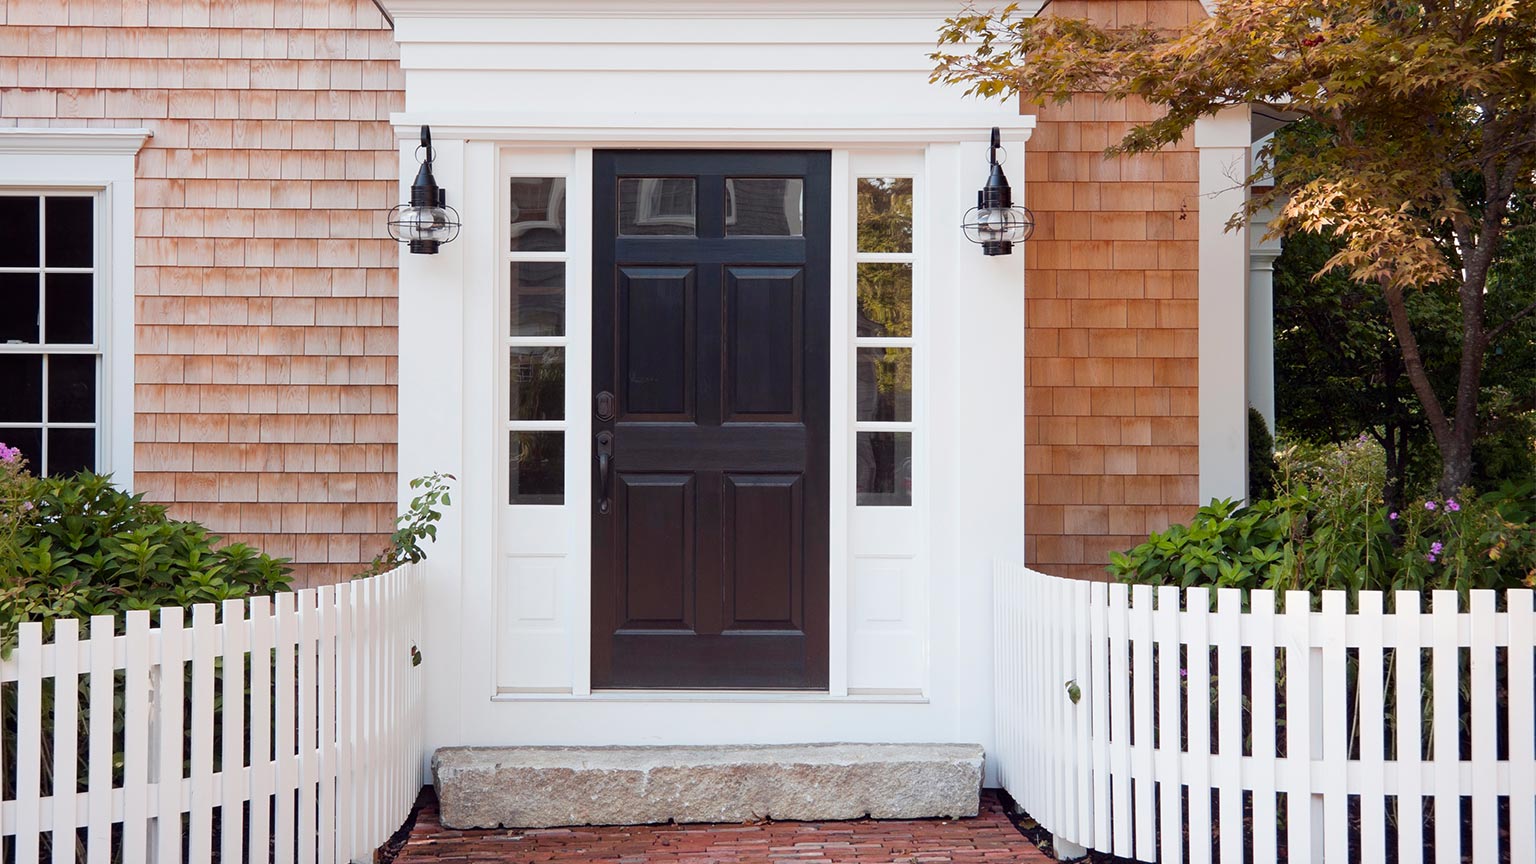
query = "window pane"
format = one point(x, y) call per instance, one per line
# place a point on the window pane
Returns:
point(885, 299)
point(29, 441)
point(538, 214)
point(71, 310)
point(884, 464)
point(884, 384)
point(537, 381)
point(18, 298)
point(72, 388)
point(538, 299)
point(69, 231)
point(21, 216)
point(21, 395)
point(71, 451)
point(885, 214)
point(765, 208)
point(656, 206)
point(536, 468)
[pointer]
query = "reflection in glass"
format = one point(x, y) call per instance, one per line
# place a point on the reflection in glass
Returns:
point(68, 228)
point(657, 206)
point(21, 216)
point(18, 299)
point(884, 378)
point(70, 310)
point(537, 383)
point(770, 207)
point(71, 451)
point(885, 214)
point(72, 388)
point(885, 299)
point(538, 298)
point(536, 468)
point(538, 214)
point(883, 462)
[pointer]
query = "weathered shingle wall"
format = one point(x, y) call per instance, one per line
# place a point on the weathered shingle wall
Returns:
point(1111, 404)
point(266, 314)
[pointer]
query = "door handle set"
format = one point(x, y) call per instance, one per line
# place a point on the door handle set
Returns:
point(604, 471)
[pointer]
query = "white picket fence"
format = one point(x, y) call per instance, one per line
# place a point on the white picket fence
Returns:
point(1299, 752)
point(299, 714)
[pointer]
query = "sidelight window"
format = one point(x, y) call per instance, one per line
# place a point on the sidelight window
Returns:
point(50, 348)
point(883, 342)
point(535, 343)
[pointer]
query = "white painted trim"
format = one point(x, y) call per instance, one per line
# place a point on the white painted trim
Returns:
point(99, 160)
point(720, 130)
point(578, 9)
point(1223, 144)
point(72, 142)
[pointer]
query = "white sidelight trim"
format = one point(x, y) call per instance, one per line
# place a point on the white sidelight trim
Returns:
point(101, 161)
point(1223, 142)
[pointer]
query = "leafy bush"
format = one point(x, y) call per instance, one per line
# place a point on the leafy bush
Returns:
point(1261, 457)
point(1327, 529)
point(417, 524)
point(73, 547)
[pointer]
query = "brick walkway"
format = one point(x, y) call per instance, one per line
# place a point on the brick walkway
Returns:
point(987, 838)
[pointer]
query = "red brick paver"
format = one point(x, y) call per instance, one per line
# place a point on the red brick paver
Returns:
point(989, 837)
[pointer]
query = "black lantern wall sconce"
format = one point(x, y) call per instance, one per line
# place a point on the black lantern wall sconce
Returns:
point(994, 222)
point(427, 222)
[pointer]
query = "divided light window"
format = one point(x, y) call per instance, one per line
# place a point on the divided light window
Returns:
point(883, 343)
point(50, 348)
point(536, 342)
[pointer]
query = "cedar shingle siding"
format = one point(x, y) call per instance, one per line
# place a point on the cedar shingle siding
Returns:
point(1111, 429)
point(266, 313)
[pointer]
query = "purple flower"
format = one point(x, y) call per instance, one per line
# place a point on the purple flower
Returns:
point(1434, 551)
point(1429, 505)
point(9, 454)
point(1183, 673)
point(1451, 505)
point(1392, 515)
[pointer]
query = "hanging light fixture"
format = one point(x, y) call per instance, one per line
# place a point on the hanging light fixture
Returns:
point(427, 222)
point(994, 222)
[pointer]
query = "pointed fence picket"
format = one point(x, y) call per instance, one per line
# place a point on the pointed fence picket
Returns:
point(287, 706)
point(1236, 727)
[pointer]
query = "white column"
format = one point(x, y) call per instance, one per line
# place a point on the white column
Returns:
point(1223, 142)
point(1261, 326)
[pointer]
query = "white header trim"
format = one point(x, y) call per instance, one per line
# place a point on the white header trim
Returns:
point(931, 9)
point(73, 142)
point(716, 129)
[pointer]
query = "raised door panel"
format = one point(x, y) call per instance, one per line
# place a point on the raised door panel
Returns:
point(764, 343)
point(657, 341)
point(764, 551)
point(658, 512)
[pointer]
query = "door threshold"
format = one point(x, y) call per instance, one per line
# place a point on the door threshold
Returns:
point(898, 697)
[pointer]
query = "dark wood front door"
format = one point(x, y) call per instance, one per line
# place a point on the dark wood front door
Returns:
point(711, 295)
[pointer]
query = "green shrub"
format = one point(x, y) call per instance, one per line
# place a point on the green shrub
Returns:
point(73, 547)
point(1327, 529)
point(1261, 457)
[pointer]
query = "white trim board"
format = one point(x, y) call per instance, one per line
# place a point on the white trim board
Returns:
point(745, 130)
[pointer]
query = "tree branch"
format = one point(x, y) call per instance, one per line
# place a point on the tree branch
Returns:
point(1493, 335)
point(1439, 426)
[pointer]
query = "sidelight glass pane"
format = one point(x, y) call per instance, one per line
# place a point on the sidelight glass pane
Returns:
point(19, 298)
point(21, 396)
point(770, 207)
point(885, 299)
point(70, 312)
point(884, 384)
point(536, 468)
point(537, 384)
point(538, 299)
point(71, 451)
point(883, 462)
point(538, 214)
point(72, 388)
point(885, 214)
point(657, 206)
point(69, 229)
point(21, 216)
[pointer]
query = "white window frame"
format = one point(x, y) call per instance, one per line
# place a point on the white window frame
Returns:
point(99, 162)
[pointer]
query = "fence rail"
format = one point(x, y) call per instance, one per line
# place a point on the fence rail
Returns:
point(1335, 734)
point(283, 729)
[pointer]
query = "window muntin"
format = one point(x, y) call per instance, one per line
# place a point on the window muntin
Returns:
point(535, 341)
point(884, 342)
point(50, 359)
